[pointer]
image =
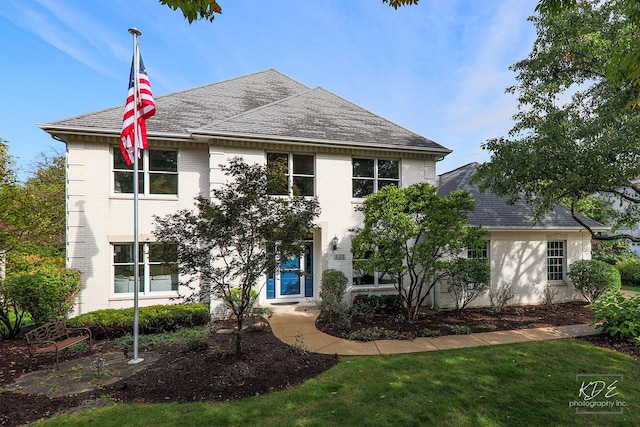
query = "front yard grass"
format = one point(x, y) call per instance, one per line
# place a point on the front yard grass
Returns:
point(528, 384)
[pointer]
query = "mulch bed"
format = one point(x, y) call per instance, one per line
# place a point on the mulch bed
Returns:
point(178, 375)
point(436, 323)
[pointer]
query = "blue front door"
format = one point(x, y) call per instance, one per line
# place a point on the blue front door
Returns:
point(294, 279)
point(290, 275)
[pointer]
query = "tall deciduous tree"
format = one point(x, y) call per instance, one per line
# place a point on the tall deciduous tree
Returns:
point(574, 133)
point(46, 186)
point(234, 239)
point(410, 234)
point(194, 10)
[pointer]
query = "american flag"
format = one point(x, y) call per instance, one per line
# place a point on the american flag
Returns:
point(146, 108)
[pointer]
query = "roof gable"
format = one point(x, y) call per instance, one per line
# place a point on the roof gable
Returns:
point(494, 211)
point(264, 104)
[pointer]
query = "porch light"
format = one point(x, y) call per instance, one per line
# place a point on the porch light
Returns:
point(334, 243)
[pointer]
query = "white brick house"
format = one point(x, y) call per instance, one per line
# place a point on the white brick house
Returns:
point(336, 151)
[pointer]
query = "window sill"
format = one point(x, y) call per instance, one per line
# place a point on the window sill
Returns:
point(557, 283)
point(129, 196)
point(372, 288)
point(158, 295)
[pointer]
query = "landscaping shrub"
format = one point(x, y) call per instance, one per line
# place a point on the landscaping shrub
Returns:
point(46, 293)
point(629, 272)
point(617, 316)
point(365, 305)
point(468, 279)
point(593, 278)
point(114, 323)
point(500, 296)
point(332, 306)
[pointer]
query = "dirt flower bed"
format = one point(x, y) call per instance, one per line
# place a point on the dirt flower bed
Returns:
point(469, 320)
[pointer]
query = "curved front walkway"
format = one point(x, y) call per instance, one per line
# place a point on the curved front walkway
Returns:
point(296, 326)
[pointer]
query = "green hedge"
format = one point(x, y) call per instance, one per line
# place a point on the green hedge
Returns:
point(629, 272)
point(114, 323)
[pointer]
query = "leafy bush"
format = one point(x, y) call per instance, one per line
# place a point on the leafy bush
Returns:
point(611, 251)
point(114, 323)
point(460, 330)
point(593, 278)
point(46, 293)
point(629, 272)
point(617, 316)
point(468, 279)
point(332, 306)
point(366, 305)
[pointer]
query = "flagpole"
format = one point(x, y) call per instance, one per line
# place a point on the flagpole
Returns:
point(136, 252)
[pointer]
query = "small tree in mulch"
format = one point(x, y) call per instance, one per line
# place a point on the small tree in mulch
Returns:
point(232, 240)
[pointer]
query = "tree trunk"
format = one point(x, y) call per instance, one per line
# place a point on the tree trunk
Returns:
point(239, 332)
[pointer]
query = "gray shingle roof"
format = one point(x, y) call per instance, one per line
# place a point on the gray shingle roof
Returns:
point(494, 211)
point(318, 114)
point(263, 104)
point(200, 106)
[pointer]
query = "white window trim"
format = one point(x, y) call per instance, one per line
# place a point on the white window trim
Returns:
point(146, 275)
point(375, 177)
point(563, 258)
point(291, 175)
point(143, 167)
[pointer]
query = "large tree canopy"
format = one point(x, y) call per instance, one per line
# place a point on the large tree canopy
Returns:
point(194, 10)
point(574, 133)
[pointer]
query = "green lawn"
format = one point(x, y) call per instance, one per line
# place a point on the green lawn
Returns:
point(529, 384)
point(631, 288)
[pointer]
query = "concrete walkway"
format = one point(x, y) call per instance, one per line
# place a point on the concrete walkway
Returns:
point(296, 326)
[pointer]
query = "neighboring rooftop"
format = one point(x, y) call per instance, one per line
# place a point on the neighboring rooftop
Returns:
point(267, 104)
point(492, 211)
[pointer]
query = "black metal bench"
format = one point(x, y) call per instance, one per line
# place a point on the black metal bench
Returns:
point(55, 337)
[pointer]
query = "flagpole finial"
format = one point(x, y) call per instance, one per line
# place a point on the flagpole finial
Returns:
point(135, 31)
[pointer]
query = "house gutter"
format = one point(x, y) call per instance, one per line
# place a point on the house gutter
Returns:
point(206, 137)
point(57, 132)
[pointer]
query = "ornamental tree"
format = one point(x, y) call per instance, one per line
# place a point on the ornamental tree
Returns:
point(410, 234)
point(575, 134)
point(232, 240)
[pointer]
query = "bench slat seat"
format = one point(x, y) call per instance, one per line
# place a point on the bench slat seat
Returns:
point(55, 337)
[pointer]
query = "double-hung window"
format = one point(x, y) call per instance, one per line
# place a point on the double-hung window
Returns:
point(157, 268)
point(370, 175)
point(479, 253)
point(371, 279)
point(157, 173)
point(556, 260)
point(291, 174)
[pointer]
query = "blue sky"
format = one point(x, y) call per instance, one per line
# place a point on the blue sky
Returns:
point(439, 69)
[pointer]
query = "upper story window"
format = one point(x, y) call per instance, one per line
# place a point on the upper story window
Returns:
point(556, 261)
point(157, 172)
point(370, 175)
point(291, 174)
